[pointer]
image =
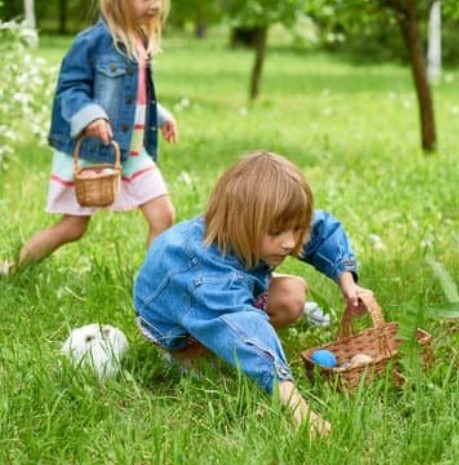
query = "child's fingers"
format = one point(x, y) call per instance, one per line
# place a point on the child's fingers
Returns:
point(105, 132)
point(356, 307)
point(100, 128)
point(174, 129)
point(110, 132)
point(169, 131)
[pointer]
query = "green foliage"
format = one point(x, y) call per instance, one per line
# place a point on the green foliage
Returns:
point(77, 13)
point(446, 280)
point(24, 88)
point(450, 9)
point(196, 11)
point(255, 13)
point(368, 31)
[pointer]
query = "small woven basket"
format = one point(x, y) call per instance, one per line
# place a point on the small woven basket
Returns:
point(96, 185)
point(379, 342)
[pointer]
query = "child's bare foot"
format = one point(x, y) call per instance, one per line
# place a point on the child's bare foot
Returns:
point(192, 356)
point(315, 316)
point(7, 267)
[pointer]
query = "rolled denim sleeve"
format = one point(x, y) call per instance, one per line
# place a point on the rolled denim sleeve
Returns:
point(223, 319)
point(74, 87)
point(329, 249)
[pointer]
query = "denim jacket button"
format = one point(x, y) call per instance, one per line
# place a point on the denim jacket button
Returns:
point(130, 71)
point(112, 68)
point(284, 371)
point(129, 100)
point(124, 127)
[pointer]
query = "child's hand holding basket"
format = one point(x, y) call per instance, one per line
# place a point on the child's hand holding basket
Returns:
point(366, 354)
point(97, 185)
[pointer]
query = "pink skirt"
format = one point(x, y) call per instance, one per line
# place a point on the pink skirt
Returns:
point(141, 181)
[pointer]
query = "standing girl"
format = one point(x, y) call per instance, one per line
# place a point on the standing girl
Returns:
point(105, 91)
point(205, 282)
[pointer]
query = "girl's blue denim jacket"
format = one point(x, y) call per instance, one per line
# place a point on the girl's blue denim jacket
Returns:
point(186, 288)
point(97, 81)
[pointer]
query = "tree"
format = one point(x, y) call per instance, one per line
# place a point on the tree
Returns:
point(406, 12)
point(62, 17)
point(259, 15)
point(29, 13)
point(434, 42)
point(408, 15)
point(29, 16)
point(201, 13)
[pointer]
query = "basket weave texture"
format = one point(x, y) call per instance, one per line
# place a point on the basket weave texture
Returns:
point(379, 342)
point(97, 185)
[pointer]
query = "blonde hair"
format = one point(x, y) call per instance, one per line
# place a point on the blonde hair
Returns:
point(124, 28)
point(262, 193)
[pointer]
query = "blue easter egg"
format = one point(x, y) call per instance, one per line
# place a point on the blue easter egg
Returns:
point(324, 358)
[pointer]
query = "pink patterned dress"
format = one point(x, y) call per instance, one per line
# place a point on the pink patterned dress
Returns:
point(141, 179)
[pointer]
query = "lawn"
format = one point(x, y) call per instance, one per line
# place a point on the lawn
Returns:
point(354, 131)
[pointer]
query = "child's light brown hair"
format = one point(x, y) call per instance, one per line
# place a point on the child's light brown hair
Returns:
point(262, 193)
point(124, 28)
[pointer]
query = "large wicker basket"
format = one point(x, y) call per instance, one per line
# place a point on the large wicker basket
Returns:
point(379, 342)
point(96, 185)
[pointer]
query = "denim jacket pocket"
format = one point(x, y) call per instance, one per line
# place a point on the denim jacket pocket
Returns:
point(111, 70)
point(109, 82)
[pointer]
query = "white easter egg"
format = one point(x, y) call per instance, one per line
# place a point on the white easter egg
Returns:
point(360, 359)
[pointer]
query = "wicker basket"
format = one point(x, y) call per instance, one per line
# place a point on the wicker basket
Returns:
point(96, 185)
point(380, 343)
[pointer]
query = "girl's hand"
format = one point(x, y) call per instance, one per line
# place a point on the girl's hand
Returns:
point(351, 293)
point(169, 130)
point(99, 128)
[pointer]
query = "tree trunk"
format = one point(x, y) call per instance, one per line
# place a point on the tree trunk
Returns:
point(243, 37)
point(29, 15)
point(260, 52)
point(410, 31)
point(62, 17)
point(200, 30)
point(434, 41)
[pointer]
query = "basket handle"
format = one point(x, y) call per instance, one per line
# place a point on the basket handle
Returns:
point(371, 306)
point(76, 152)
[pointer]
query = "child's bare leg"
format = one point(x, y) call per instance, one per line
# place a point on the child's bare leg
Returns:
point(285, 299)
point(291, 397)
point(160, 215)
point(192, 356)
point(68, 229)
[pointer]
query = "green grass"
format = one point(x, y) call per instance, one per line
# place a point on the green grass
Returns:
point(354, 131)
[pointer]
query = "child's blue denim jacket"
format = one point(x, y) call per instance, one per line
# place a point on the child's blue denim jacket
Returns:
point(97, 81)
point(185, 288)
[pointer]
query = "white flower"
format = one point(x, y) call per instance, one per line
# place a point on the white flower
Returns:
point(376, 242)
point(185, 178)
